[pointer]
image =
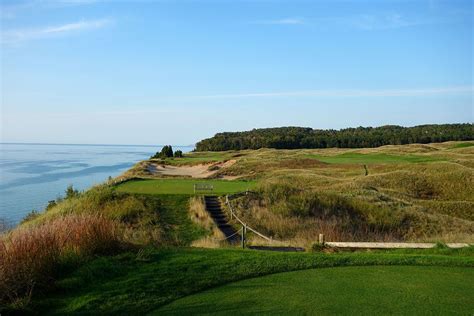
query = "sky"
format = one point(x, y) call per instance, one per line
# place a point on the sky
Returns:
point(176, 71)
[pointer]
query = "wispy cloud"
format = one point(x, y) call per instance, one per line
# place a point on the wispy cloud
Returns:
point(12, 10)
point(368, 22)
point(285, 21)
point(383, 21)
point(349, 93)
point(21, 35)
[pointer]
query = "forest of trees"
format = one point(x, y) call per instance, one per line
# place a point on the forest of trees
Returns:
point(302, 137)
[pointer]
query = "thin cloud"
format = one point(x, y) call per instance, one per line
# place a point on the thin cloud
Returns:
point(381, 22)
point(349, 93)
point(367, 22)
point(285, 21)
point(21, 35)
point(12, 10)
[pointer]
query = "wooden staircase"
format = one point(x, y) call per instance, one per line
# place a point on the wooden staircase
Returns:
point(213, 207)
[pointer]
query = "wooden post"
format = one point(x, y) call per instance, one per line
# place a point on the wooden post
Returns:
point(321, 239)
point(244, 231)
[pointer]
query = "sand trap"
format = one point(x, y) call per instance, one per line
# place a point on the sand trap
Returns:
point(196, 171)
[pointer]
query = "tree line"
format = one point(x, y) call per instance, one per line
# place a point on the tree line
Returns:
point(360, 137)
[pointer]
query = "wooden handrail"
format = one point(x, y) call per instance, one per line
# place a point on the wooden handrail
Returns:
point(233, 215)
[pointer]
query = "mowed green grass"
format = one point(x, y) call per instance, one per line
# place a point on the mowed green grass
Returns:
point(138, 283)
point(183, 186)
point(358, 158)
point(378, 290)
point(462, 145)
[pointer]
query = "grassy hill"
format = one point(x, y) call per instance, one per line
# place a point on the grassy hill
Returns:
point(411, 192)
point(123, 247)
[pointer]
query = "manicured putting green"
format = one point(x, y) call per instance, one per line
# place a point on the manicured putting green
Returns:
point(184, 186)
point(357, 158)
point(377, 290)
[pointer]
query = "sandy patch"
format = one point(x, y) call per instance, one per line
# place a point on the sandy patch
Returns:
point(196, 171)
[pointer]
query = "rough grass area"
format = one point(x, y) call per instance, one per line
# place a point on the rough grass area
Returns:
point(183, 186)
point(80, 226)
point(146, 219)
point(136, 283)
point(373, 158)
point(417, 192)
point(339, 291)
point(29, 257)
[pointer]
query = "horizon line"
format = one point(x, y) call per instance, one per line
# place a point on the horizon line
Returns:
point(86, 144)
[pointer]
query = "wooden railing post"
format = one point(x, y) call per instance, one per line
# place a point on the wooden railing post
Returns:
point(321, 239)
point(244, 232)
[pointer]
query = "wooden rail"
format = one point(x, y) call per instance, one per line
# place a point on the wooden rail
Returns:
point(244, 225)
point(390, 245)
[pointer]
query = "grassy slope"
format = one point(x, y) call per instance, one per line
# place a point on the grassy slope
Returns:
point(346, 290)
point(183, 186)
point(432, 185)
point(131, 283)
point(134, 284)
point(178, 229)
point(158, 219)
point(416, 192)
point(373, 158)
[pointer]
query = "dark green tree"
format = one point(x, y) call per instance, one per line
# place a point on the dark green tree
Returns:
point(178, 154)
point(166, 151)
point(71, 192)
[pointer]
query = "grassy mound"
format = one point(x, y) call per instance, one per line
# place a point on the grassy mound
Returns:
point(412, 193)
point(135, 283)
point(373, 158)
point(75, 228)
point(342, 291)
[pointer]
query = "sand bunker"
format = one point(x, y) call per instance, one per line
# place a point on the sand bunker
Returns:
point(196, 171)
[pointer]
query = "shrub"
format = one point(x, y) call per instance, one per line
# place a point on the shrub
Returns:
point(29, 255)
point(30, 216)
point(178, 154)
point(51, 204)
point(71, 192)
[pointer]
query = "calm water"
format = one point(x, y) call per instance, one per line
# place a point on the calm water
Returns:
point(33, 174)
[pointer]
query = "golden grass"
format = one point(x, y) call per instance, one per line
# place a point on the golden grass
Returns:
point(430, 199)
point(199, 215)
point(29, 256)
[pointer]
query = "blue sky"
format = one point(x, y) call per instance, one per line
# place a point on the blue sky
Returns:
point(153, 72)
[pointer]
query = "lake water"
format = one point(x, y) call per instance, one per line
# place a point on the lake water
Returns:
point(33, 174)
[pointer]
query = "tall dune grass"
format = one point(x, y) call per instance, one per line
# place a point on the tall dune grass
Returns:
point(199, 215)
point(30, 255)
